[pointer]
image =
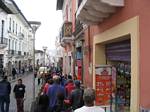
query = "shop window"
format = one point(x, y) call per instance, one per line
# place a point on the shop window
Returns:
point(79, 53)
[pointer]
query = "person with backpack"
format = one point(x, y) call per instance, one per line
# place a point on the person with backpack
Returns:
point(76, 96)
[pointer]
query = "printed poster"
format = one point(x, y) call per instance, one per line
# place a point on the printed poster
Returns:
point(103, 85)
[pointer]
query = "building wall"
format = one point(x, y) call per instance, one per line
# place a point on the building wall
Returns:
point(39, 56)
point(24, 45)
point(87, 57)
point(67, 68)
point(125, 30)
point(131, 9)
point(144, 54)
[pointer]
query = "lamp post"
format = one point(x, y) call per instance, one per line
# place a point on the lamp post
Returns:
point(44, 48)
point(34, 25)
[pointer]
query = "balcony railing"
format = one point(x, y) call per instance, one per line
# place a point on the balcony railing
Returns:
point(66, 33)
point(11, 52)
point(78, 28)
point(67, 29)
point(3, 42)
point(21, 36)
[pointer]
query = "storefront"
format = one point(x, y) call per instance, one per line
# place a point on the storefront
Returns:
point(117, 48)
point(79, 60)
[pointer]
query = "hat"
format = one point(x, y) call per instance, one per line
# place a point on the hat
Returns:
point(56, 77)
point(77, 83)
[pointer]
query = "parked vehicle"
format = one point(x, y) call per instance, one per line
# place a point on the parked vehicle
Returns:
point(42, 72)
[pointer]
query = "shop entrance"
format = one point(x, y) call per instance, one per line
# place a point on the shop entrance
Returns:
point(118, 33)
point(118, 54)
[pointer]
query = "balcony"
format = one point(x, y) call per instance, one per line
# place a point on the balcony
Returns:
point(11, 52)
point(78, 29)
point(3, 42)
point(21, 36)
point(66, 33)
point(95, 11)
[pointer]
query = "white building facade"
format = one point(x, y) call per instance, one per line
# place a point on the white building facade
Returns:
point(4, 11)
point(39, 58)
point(18, 35)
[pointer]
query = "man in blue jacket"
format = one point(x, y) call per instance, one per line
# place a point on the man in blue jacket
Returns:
point(54, 91)
point(5, 89)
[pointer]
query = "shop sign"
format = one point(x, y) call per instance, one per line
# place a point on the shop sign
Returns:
point(103, 85)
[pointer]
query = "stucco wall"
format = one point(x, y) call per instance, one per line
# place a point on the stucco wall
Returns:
point(134, 8)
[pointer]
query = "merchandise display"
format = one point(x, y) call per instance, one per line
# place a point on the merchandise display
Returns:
point(123, 87)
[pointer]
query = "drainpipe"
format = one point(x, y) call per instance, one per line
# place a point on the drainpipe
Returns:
point(89, 46)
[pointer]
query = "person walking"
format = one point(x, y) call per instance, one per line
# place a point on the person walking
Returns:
point(77, 93)
point(54, 91)
point(14, 72)
point(19, 92)
point(43, 104)
point(89, 97)
point(69, 86)
point(5, 89)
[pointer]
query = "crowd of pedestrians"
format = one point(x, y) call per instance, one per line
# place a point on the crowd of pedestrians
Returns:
point(63, 93)
point(59, 93)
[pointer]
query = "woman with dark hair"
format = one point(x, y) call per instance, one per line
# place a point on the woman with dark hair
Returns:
point(43, 104)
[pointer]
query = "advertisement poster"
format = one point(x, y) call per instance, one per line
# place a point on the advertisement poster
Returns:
point(103, 85)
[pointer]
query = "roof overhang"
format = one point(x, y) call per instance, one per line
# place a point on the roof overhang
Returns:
point(95, 11)
point(15, 9)
point(5, 8)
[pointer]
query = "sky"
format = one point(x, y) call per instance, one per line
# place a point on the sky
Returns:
point(45, 12)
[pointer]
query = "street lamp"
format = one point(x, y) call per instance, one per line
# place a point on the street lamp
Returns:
point(34, 25)
point(44, 48)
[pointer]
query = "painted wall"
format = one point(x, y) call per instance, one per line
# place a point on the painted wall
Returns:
point(144, 54)
point(125, 30)
point(134, 8)
point(87, 58)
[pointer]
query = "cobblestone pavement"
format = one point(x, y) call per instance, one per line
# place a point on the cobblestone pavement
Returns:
point(27, 80)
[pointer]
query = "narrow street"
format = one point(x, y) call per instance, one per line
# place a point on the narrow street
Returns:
point(27, 80)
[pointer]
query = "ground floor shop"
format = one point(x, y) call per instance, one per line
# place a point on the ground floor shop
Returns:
point(116, 67)
point(79, 59)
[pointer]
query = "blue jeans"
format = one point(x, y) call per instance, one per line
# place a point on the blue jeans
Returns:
point(4, 103)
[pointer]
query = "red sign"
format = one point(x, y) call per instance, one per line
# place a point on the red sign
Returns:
point(103, 86)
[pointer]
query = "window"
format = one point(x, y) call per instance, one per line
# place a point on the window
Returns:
point(9, 45)
point(79, 2)
point(66, 12)
point(12, 44)
point(20, 46)
point(2, 31)
point(16, 46)
point(16, 28)
point(10, 24)
point(13, 26)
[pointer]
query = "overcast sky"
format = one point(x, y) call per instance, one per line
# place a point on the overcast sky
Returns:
point(44, 11)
